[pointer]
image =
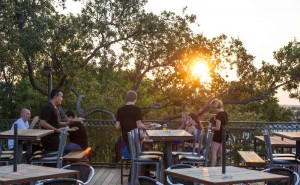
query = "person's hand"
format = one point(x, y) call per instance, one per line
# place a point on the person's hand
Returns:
point(73, 129)
point(35, 119)
point(151, 127)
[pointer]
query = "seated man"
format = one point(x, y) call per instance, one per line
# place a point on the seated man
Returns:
point(78, 138)
point(23, 123)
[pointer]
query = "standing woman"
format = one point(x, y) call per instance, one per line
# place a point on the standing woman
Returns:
point(221, 119)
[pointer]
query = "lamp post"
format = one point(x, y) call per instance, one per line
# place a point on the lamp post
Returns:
point(48, 70)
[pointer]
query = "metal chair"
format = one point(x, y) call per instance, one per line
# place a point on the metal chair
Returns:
point(86, 171)
point(136, 160)
point(143, 180)
point(6, 157)
point(294, 177)
point(40, 159)
point(173, 180)
point(197, 144)
point(61, 181)
point(200, 158)
point(139, 147)
point(278, 161)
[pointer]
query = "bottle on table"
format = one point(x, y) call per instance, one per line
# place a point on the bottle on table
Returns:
point(165, 127)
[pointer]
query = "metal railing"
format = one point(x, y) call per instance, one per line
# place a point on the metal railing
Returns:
point(103, 137)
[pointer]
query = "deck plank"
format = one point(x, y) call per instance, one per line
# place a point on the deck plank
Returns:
point(108, 176)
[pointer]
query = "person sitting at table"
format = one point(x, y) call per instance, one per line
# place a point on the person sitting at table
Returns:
point(221, 119)
point(23, 123)
point(189, 122)
point(189, 126)
point(176, 144)
point(78, 138)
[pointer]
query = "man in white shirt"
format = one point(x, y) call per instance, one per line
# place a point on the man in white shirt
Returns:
point(22, 123)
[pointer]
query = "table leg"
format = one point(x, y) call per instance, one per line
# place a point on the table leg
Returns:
point(20, 151)
point(164, 180)
point(255, 145)
point(168, 154)
point(29, 151)
point(298, 149)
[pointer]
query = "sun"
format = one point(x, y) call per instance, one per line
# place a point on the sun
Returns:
point(201, 71)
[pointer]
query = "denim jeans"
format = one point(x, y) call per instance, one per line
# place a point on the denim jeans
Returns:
point(71, 147)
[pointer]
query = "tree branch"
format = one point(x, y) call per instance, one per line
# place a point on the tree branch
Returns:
point(31, 77)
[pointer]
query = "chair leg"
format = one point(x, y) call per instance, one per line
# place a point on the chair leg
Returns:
point(138, 171)
point(121, 171)
point(158, 171)
point(132, 179)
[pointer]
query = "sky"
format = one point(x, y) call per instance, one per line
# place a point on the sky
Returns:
point(264, 26)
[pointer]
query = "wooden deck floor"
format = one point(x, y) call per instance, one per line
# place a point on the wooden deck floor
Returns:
point(108, 176)
point(112, 176)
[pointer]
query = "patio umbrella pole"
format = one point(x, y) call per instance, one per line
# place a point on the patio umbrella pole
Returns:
point(223, 149)
point(15, 147)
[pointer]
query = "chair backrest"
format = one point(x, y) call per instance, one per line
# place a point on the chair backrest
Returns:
point(198, 139)
point(174, 180)
point(143, 180)
point(62, 141)
point(132, 148)
point(209, 136)
point(86, 171)
point(294, 177)
point(137, 140)
point(268, 148)
point(61, 181)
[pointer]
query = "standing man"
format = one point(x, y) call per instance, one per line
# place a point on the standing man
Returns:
point(22, 123)
point(50, 119)
point(129, 117)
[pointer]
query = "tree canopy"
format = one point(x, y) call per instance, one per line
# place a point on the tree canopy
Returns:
point(113, 46)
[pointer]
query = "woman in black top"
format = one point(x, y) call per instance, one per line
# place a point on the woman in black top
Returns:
point(221, 119)
point(78, 137)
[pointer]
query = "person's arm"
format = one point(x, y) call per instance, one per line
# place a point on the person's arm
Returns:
point(118, 125)
point(218, 125)
point(182, 127)
point(33, 122)
point(46, 125)
point(140, 125)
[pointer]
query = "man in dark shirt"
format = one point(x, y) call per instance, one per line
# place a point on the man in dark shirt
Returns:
point(129, 117)
point(50, 119)
point(78, 137)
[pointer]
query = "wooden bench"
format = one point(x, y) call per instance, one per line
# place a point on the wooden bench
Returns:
point(78, 156)
point(251, 159)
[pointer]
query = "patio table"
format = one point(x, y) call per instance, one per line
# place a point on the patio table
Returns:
point(293, 136)
point(167, 136)
point(31, 173)
point(276, 142)
point(29, 136)
point(213, 175)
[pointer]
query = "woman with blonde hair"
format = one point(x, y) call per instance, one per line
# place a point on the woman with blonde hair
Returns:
point(221, 119)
